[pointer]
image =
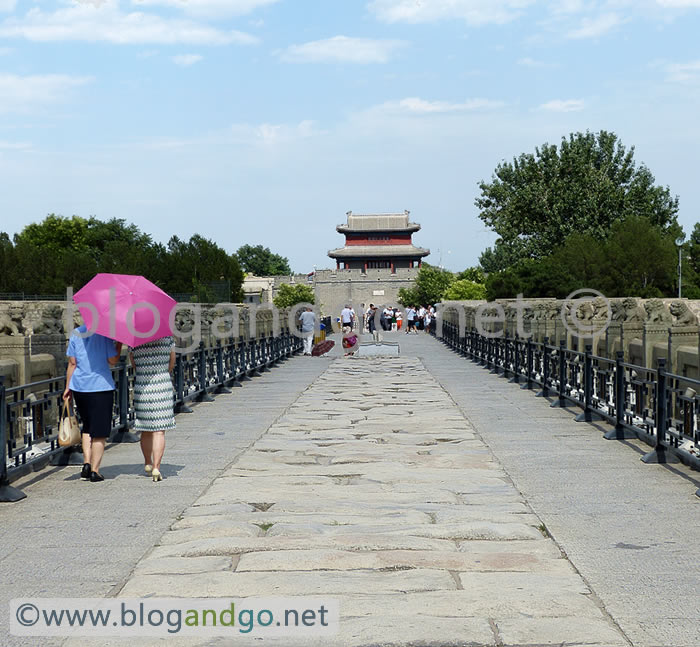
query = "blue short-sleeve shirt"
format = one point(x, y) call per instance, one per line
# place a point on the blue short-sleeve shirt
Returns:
point(92, 372)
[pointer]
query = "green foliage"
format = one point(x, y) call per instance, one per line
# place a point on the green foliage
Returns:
point(586, 185)
point(429, 288)
point(475, 274)
point(691, 265)
point(289, 295)
point(465, 290)
point(260, 261)
point(49, 256)
point(200, 262)
point(637, 259)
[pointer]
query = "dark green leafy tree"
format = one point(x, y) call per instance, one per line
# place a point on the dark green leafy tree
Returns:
point(464, 290)
point(260, 261)
point(475, 274)
point(48, 257)
point(639, 261)
point(289, 295)
point(429, 287)
point(586, 185)
point(636, 259)
point(196, 266)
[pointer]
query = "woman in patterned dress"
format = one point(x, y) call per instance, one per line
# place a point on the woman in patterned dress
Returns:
point(153, 363)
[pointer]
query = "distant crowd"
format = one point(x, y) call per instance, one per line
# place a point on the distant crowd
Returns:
point(390, 319)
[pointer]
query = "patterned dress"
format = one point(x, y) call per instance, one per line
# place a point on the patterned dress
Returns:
point(153, 389)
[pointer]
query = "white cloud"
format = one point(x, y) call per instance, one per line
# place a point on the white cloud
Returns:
point(567, 6)
point(417, 106)
point(598, 26)
point(342, 49)
point(684, 72)
point(679, 4)
point(209, 7)
point(563, 105)
point(530, 62)
point(105, 22)
point(7, 5)
point(474, 12)
point(273, 134)
point(187, 59)
point(594, 27)
point(28, 93)
point(14, 146)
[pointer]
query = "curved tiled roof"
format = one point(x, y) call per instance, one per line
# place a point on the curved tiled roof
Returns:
point(382, 251)
point(378, 222)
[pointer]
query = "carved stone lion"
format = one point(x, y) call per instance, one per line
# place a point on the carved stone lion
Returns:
point(7, 325)
point(627, 310)
point(553, 310)
point(656, 312)
point(682, 315)
point(11, 321)
point(46, 321)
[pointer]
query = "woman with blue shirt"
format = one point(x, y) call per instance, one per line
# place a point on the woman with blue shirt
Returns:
point(89, 380)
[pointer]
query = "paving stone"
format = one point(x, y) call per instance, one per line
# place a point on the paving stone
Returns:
point(217, 528)
point(312, 560)
point(283, 584)
point(236, 545)
point(184, 565)
point(574, 631)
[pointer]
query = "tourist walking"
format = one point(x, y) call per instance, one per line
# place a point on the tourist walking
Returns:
point(153, 363)
point(420, 318)
point(411, 320)
point(372, 322)
point(427, 319)
point(308, 324)
point(89, 382)
point(387, 313)
point(347, 317)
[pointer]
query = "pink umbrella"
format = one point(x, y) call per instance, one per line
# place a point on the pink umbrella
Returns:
point(127, 308)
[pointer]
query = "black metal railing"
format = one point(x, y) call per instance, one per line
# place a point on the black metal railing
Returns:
point(657, 407)
point(29, 414)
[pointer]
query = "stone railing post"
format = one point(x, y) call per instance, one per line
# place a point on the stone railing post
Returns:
point(544, 393)
point(661, 453)
point(8, 494)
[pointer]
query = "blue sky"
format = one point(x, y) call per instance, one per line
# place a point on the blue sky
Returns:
point(264, 121)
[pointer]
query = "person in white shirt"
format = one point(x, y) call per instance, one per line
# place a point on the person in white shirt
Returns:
point(347, 317)
point(308, 323)
point(388, 315)
point(411, 320)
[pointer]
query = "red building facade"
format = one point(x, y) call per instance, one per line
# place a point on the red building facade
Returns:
point(378, 241)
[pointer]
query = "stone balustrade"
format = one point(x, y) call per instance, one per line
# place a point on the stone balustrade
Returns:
point(34, 334)
point(644, 329)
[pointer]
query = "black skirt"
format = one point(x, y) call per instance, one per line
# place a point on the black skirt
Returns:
point(95, 410)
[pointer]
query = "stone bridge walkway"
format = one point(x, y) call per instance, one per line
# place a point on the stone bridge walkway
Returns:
point(440, 505)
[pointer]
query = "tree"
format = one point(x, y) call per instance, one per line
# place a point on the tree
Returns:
point(586, 185)
point(465, 290)
point(197, 266)
point(640, 261)
point(260, 261)
point(636, 260)
point(429, 288)
point(56, 234)
point(289, 295)
point(691, 265)
point(475, 274)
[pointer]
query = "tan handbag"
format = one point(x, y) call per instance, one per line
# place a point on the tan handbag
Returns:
point(68, 428)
